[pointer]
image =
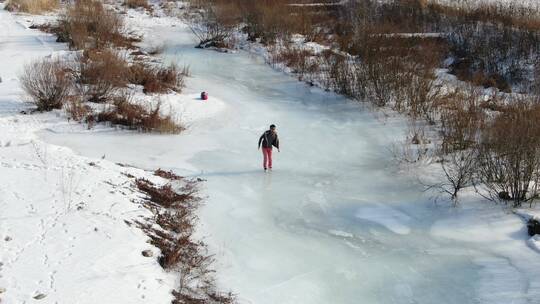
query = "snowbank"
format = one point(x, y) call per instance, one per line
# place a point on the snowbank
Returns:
point(65, 227)
point(187, 108)
point(529, 214)
point(393, 219)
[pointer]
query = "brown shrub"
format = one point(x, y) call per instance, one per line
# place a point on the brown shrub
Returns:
point(267, 22)
point(461, 120)
point(509, 163)
point(167, 174)
point(340, 74)
point(101, 74)
point(493, 80)
point(158, 79)
point(32, 6)
point(301, 61)
point(418, 84)
point(76, 109)
point(171, 230)
point(216, 24)
point(136, 117)
point(165, 196)
point(176, 223)
point(137, 3)
point(88, 24)
point(47, 82)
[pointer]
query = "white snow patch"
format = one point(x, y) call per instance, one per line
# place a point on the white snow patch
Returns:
point(191, 108)
point(389, 217)
point(485, 225)
point(341, 233)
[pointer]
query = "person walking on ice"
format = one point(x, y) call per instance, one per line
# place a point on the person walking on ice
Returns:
point(268, 140)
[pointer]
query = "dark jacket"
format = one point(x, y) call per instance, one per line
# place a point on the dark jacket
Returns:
point(269, 139)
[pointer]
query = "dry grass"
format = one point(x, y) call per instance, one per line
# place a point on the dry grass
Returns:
point(171, 230)
point(301, 61)
point(510, 153)
point(167, 174)
point(76, 109)
point(47, 82)
point(165, 196)
point(32, 6)
point(158, 78)
point(87, 24)
point(176, 222)
point(137, 117)
point(102, 73)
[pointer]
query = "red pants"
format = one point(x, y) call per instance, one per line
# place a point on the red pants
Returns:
point(267, 157)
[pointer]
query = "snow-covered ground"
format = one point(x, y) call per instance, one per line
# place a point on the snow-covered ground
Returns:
point(63, 235)
point(336, 222)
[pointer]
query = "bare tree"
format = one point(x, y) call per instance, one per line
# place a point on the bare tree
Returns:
point(215, 25)
point(459, 172)
point(420, 87)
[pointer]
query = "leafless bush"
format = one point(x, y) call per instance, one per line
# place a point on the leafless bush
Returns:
point(495, 53)
point(340, 74)
point(417, 146)
point(216, 23)
point(133, 116)
point(459, 169)
point(102, 73)
point(47, 82)
point(420, 92)
point(461, 120)
point(32, 6)
point(76, 109)
point(87, 24)
point(301, 61)
point(382, 78)
point(509, 157)
point(158, 78)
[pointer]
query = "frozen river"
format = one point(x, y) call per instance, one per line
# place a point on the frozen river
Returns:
point(336, 222)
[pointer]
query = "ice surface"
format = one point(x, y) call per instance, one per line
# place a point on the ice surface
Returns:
point(392, 219)
point(335, 222)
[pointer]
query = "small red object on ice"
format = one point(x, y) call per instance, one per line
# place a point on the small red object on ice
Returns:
point(204, 96)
